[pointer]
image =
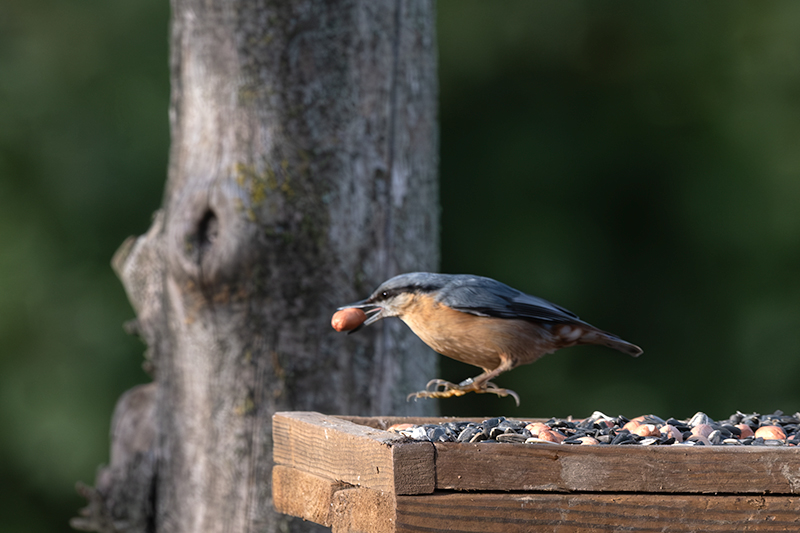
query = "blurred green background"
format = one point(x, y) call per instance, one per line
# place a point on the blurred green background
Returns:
point(637, 163)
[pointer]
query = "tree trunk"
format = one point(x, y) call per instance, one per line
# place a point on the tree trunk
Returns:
point(302, 174)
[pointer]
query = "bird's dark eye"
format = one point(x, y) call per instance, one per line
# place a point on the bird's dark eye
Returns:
point(385, 294)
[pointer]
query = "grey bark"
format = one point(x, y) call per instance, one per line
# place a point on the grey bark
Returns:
point(302, 174)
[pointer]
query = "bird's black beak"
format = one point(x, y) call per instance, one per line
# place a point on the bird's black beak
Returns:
point(373, 313)
point(361, 304)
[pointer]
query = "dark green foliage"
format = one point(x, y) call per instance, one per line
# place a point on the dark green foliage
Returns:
point(83, 152)
point(637, 164)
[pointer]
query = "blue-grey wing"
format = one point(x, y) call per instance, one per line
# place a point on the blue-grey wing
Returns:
point(487, 297)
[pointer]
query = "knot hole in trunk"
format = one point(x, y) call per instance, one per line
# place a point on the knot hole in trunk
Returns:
point(207, 230)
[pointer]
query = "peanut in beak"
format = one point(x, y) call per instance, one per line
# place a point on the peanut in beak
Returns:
point(347, 319)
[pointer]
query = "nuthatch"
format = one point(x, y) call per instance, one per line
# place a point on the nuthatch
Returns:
point(481, 322)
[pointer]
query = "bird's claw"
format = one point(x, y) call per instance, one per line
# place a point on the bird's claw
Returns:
point(494, 389)
point(439, 388)
point(440, 385)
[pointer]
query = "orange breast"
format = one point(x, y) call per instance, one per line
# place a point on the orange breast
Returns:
point(475, 340)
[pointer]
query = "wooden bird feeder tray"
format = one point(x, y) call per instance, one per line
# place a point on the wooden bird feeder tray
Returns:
point(349, 474)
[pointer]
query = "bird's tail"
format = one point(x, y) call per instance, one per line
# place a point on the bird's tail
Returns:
point(583, 333)
point(604, 338)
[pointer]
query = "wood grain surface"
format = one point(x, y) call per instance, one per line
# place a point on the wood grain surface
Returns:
point(356, 478)
point(357, 455)
point(303, 495)
point(360, 509)
point(547, 467)
point(553, 512)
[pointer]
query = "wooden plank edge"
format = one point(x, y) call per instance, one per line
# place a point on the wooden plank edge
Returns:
point(324, 423)
point(535, 467)
point(303, 495)
point(359, 509)
point(339, 450)
point(414, 467)
point(362, 510)
point(333, 504)
point(500, 512)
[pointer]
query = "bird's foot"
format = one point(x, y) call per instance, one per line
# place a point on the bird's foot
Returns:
point(494, 389)
point(439, 388)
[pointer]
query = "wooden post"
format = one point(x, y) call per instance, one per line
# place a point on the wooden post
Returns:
point(302, 174)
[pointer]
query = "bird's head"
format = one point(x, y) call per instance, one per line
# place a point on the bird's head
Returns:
point(394, 295)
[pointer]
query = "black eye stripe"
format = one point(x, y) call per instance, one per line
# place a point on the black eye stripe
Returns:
point(391, 293)
point(388, 294)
